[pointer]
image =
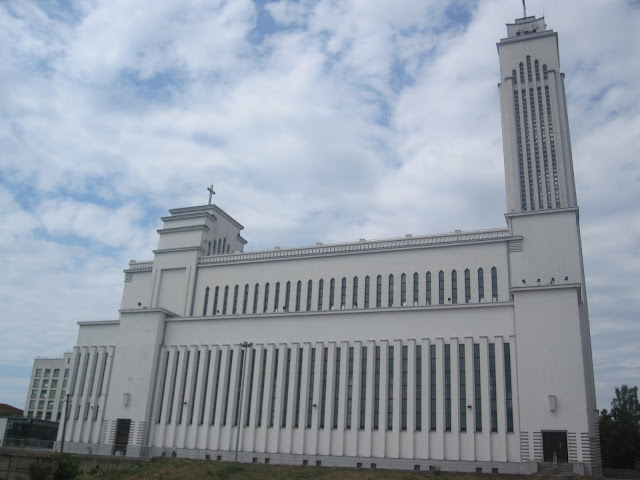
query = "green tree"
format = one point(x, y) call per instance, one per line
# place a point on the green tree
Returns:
point(620, 429)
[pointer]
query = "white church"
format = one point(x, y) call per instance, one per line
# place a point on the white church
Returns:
point(467, 351)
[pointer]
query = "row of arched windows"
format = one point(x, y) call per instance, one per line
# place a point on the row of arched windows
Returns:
point(291, 297)
point(218, 246)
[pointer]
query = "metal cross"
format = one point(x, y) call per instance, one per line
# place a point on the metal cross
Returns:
point(211, 192)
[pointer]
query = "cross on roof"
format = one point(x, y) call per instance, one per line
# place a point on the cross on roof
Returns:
point(211, 192)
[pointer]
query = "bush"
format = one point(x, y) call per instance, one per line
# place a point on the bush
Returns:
point(40, 471)
point(68, 469)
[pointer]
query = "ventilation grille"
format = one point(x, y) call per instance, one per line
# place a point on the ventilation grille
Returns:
point(537, 446)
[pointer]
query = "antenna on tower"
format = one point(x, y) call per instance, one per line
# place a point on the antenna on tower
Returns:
point(524, 8)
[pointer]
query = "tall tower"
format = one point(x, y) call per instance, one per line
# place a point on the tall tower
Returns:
point(546, 274)
point(535, 126)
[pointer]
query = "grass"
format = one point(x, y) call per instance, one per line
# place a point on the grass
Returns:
point(184, 469)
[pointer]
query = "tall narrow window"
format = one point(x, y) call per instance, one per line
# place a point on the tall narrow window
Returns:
point(349, 389)
point(320, 293)
point(432, 392)
point(336, 389)
point(323, 398)
point(441, 287)
point(405, 378)
point(285, 393)
point(298, 295)
point(263, 374)
point(507, 386)
point(332, 292)
point(224, 300)
point(206, 301)
point(415, 288)
point(256, 292)
point(462, 388)
point(245, 300)
point(477, 387)
point(312, 376)
point(480, 285)
point(227, 383)
point(467, 286)
point(403, 290)
point(390, 389)
point(287, 297)
point(309, 294)
point(274, 376)
point(162, 388)
point(216, 386)
point(447, 387)
point(205, 389)
point(236, 407)
point(215, 300)
point(276, 299)
point(298, 388)
point(494, 284)
point(343, 293)
point(390, 304)
point(376, 392)
point(363, 388)
point(235, 300)
point(454, 287)
point(367, 287)
point(537, 65)
point(266, 298)
point(492, 387)
point(215, 246)
point(354, 299)
point(418, 420)
point(428, 288)
point(247, 409)
point(379, 291)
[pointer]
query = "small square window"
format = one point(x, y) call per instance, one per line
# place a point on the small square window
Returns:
point(54, 383)
point(32, 404)
point(45, 383)
point(47, 372)
point(41, 404)
point(47, 416)
point(50, 405)
point(36, 383)
point(52, 394)
point(43, 394)
point(56, 373)
point(34, 393)
point(38, 372)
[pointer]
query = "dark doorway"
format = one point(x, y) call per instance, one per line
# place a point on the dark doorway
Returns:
point(555, 442)
point(122, 436)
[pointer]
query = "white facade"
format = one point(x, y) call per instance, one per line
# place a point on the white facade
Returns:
point(462, 351)
point(47, 388)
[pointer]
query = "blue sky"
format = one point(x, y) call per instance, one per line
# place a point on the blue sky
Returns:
point(318, 120)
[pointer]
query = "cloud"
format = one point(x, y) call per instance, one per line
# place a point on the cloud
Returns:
point(315, 120)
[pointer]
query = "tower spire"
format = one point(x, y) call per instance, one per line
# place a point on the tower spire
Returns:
point(524, 9)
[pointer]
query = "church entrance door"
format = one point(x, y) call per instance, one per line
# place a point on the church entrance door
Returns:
point(122, 436)
point(555, 443)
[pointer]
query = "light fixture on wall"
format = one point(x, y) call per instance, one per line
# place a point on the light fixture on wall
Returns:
point(126, 397)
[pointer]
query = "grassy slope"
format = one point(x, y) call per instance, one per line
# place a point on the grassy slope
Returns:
point(182, 469)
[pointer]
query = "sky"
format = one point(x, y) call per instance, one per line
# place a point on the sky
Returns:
point(315, 120)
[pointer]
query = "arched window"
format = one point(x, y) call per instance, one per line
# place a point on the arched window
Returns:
point(245, 300)
point(206, 301)
point(494, 284)
point(276, 300)
point(367, 287)
point(416, 286)
point(235, 300)
point(224, 245)
point(215, 244)
point(320, 293)
point(537, 66)
point(343, 293)
point(209, 248)
point(403, 290)
point(354, 300)
point(332, 291)
point(219, 245)
point(441, 287)
point(514, 77)
point(391, 290)
point(309, 293)
point(265, 306)
point(529, 75)
point(521, 72)
point(224, 300)
point(454, 287)
point(228, 248)
point(428, 288)
point(298, 294)
point(215, 300)
point(256, 292)
point(287, 297)
point(467, 286)
point(379, 291)
point(480, 285)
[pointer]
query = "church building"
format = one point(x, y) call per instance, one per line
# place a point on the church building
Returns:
point(467, 351)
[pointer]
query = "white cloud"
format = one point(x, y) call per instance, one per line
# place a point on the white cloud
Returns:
point(352, 119)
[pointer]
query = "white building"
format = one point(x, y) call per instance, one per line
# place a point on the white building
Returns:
point(463, 351)
point(47, 388)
